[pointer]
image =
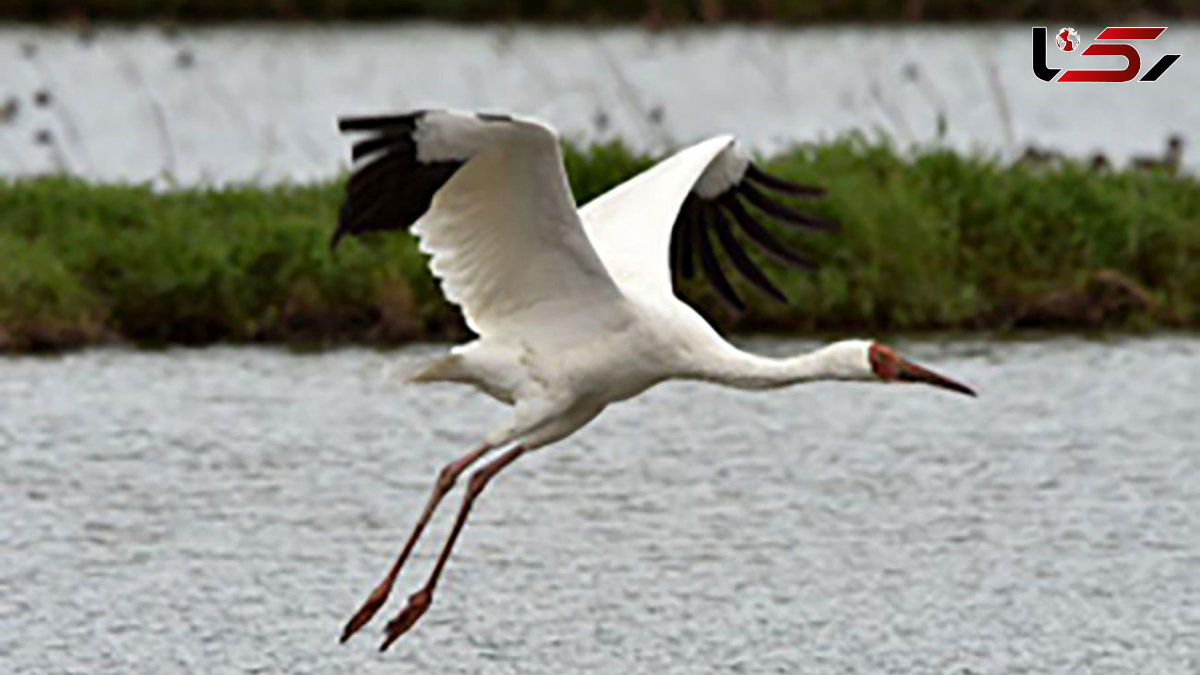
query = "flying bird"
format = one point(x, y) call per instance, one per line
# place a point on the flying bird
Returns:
point(575, 308)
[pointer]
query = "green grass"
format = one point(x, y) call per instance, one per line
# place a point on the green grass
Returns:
point(933, 241)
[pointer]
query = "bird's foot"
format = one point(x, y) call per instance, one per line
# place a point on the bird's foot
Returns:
point(417, 604)
point(368, 610)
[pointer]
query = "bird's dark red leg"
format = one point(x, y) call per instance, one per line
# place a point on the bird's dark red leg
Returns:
point(419, 602)
point(444, 483)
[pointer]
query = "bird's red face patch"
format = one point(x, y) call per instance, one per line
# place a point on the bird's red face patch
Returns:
point(884, 362)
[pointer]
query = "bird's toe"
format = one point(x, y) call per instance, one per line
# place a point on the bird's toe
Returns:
point(364, 613)
point(417, 604)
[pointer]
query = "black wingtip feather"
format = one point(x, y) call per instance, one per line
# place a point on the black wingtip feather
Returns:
point(493, 117)
point(759, 235)
point(690, 238)
point(784, 213)
point(712, 268)
point(765, 179)
point(742, 262)
point(390, 188)
point(369, 146)
point(341, 228)
point(405, 122)
point(687, 224)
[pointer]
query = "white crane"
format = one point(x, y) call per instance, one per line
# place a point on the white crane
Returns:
point(574, 308)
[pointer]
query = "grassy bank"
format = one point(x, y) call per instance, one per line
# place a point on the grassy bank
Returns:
point(939, 241)
point(662, 12)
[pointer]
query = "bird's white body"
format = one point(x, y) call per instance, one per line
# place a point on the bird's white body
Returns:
point(575, 309)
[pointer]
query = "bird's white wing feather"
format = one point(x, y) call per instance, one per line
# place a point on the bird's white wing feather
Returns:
point(493, 210)
point(630, 225)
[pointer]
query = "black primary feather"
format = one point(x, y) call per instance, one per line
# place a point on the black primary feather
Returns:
point(722, 213)
point(406, 122)
point(686, 224)
point(784, 213)
point(710, 265)
point(759, 235)
point(391, 188)
point(740, 260)
point(371, 145)
point(757, 175)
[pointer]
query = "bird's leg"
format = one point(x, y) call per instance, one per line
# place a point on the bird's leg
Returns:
point(418, 602)
point(444, 483)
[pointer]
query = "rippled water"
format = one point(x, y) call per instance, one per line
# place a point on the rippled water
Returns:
point(260, 103)
point(224, 510)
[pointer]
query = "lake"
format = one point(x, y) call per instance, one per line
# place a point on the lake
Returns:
point(226, 509)
point(259, 103)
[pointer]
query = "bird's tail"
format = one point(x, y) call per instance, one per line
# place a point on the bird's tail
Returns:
point(420, 369)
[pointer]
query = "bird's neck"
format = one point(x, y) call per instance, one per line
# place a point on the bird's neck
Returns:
point(743, 370)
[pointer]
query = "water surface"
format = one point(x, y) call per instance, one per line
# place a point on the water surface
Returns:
point(226, 509)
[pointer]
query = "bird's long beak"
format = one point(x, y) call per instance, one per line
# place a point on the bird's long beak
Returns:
point(911, 372)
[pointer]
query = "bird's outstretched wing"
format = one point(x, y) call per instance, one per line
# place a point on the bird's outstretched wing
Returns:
point(674, 216)
point(488, 197)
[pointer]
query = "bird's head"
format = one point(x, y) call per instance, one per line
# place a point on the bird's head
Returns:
point(887, 366)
